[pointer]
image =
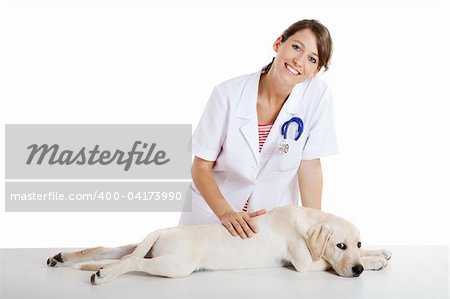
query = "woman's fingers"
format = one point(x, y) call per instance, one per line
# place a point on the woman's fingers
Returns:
point(251, 223)
point(257, 213)
point(238, 228)
point(245, 225)
point(231, 223)
point(231, 229)
point(240, 224)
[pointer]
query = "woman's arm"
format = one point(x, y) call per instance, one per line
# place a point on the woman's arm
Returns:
point(206, 184)
point(237, 223)
point(310, 181)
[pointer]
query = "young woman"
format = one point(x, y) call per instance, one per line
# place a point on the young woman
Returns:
point(261, 136)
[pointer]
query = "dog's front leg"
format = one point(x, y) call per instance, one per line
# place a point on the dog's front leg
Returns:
point(302, 261)
point(375, 259)
point(302, 266)
point(373, 262)
point(380, 252)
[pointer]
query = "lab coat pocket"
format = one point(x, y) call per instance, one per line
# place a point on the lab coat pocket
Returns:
point(292, 158)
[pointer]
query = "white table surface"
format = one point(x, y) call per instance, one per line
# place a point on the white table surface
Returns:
point(413, 272)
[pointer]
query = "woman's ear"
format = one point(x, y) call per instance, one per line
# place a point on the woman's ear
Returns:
point(277, 44)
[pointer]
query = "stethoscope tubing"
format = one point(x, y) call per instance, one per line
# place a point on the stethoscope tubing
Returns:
point(285, 127)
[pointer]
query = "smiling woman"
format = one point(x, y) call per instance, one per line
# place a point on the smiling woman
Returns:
point(239, 169)
point(322, 35)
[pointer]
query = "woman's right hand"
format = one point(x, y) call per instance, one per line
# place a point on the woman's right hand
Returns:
point(240, 223)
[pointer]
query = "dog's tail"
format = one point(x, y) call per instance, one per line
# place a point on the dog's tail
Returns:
point(144, 247)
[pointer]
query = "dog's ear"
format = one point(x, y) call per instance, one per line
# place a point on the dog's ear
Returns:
point(317, 239)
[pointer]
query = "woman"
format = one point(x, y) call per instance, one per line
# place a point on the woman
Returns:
point(261, 136)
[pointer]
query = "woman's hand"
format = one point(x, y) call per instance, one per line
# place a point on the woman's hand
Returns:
point(240, 223)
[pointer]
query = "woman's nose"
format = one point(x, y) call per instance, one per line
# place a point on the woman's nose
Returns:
point(299, 61)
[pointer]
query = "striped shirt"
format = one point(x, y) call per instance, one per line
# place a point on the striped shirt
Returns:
point(263, 132)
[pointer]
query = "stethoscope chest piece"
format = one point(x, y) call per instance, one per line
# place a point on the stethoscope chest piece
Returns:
point(284, 147)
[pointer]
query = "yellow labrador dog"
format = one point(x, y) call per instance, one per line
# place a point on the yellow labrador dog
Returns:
point(308, 239)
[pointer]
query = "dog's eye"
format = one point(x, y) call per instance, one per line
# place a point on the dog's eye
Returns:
point(341, 246)
point(359, 244)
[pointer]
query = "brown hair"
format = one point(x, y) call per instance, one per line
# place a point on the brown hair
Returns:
point(323, 38)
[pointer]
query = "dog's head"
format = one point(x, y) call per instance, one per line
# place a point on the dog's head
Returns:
point(337, 241)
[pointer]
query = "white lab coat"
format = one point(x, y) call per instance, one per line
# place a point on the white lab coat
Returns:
point(228, 134)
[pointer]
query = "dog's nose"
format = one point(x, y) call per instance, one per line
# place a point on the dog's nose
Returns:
point(357, 270)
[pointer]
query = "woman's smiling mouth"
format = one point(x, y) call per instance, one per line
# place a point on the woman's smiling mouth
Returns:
point(292, 70)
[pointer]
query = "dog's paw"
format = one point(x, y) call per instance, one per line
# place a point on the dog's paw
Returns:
point(55, 261)
point(96, 278)
point(386, 254)
point(379, 252)
point(102, 276)
point(374, 263)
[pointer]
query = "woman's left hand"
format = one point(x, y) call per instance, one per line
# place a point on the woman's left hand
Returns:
point(241, 223)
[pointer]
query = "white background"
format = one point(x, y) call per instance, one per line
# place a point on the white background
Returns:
point(157, 62)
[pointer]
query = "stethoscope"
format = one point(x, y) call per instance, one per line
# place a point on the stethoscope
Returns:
point(284, 146)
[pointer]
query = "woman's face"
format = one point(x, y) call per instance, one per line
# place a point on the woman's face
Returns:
point(296, 59)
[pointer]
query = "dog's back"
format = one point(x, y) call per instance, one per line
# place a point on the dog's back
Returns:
point(213, 247)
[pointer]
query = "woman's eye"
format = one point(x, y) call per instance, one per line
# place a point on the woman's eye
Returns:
point(296, 48)
point(341, 246)
point(359, 244)
point(312, 59)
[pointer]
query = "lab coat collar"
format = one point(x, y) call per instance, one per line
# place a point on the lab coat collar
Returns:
point(246, 112)
point(246, 108)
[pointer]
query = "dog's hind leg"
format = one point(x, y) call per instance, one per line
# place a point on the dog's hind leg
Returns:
point(63, 259)
point(91, 267)
point(144, 247)
point(166, 265)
